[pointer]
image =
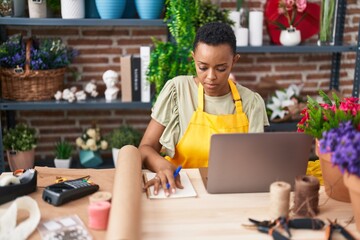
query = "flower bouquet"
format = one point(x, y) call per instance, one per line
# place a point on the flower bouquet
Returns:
point(33, 69)
point(285, 105)
point(336, 125)
point(291, 15)
point(90, 143)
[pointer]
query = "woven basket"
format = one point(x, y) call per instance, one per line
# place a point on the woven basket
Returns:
point(30, 85)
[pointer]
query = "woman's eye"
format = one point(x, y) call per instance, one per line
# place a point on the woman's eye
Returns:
point(221, 69)
point(203, 68)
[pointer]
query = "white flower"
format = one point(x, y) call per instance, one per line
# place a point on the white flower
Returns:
point(94, 93)
point(73, 89)
point(276, 108)
point(91, 144)
point(90, 87)
point(80, 95)
point(79, 142)
point(91, 133)
point(104, 145)
point(58, 95)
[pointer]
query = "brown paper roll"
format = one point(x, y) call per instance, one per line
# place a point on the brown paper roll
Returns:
point(125, 213)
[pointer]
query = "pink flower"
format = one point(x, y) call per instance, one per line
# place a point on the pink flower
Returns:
point(301, 5)
point(289, 8)
point(289, 4)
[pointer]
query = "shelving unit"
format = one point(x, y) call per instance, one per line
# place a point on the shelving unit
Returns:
point(335, 50)
point(10, 106)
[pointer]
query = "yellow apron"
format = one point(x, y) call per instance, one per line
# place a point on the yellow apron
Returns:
point(192, 151)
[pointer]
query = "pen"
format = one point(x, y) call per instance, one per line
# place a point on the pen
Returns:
point(176, 173)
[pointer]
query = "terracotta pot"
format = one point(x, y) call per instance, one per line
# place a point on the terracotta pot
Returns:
point(352, 182)
point(332, 176)
point(21, 160)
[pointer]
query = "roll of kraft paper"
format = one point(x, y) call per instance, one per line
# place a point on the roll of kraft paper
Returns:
point(125, 212)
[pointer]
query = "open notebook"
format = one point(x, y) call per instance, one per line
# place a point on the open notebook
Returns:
point(187, 191)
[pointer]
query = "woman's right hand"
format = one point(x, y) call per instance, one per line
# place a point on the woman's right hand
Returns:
point(163, 176)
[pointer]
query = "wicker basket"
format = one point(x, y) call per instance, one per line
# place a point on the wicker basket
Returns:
point(30, 85)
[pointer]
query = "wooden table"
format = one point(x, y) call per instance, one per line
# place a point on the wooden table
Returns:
point(218, 216)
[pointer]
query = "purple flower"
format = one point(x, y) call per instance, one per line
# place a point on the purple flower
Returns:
point(343, 142)
point(44, 53)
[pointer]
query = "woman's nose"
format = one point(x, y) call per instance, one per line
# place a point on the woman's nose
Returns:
point(211, 74)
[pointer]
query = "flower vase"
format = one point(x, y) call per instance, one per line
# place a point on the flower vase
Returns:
point(149, 9)
point(332, 176)
point(328, 14)
point(90, 159)
point(110, 9)
point(290, 37)
point(72, 9)
point(352, 182)
point(37, 8)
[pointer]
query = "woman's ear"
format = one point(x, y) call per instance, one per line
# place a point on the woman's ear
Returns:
point(236, 58)
point(193, 54)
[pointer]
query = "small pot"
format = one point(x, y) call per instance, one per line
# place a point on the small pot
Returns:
point(62, 163)
point(290, 37)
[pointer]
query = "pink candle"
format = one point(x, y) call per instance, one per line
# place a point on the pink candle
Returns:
point(99, 215)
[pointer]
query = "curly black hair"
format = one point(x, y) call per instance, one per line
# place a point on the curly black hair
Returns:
point(215, 33)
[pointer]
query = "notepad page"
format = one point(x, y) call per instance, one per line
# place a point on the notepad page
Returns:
point(187, 191)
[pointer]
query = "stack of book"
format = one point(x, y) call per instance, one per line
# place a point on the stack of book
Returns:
point(134, 85)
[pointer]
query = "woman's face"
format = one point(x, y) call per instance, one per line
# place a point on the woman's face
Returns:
point(213, 66)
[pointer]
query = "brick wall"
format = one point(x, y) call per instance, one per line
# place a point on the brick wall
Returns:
point(101, 47)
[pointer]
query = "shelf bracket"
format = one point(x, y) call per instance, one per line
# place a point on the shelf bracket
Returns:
point(356, 84)
point(336, 57)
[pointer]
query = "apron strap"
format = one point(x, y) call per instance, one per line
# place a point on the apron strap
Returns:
point(235, 94)
point(236, 97)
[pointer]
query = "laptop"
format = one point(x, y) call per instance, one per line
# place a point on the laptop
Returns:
point(250, 162)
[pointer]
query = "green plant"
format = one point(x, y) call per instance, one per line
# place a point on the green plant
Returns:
point(63, 150)
point(20, 138)
point(327, 20)
point(124, 135)
point(209, 12)
point(321, 117)
point(173, 58)
point(55, 7)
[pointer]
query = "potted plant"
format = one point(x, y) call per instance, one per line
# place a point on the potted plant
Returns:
point(119, 137)
point(90, 143)
point(329, 121)
point(172, 58)
point(19, 143)
point(63, 152)
point(36, 64)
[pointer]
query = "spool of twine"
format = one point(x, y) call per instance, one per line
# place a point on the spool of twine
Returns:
point(279, 199)
point(306, 199)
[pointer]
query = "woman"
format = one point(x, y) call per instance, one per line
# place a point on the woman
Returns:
point(191, 108)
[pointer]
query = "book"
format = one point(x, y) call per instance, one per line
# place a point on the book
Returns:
point(145, 84)
point(135, 79)
point(187, 191)
point(126, 88)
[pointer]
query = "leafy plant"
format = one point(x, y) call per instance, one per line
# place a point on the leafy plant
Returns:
point(209, 12)
point(63, 150)
point(326, 20)
point(321, 117)
point(124, 135)
point(173, 58)
point(20, 138)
